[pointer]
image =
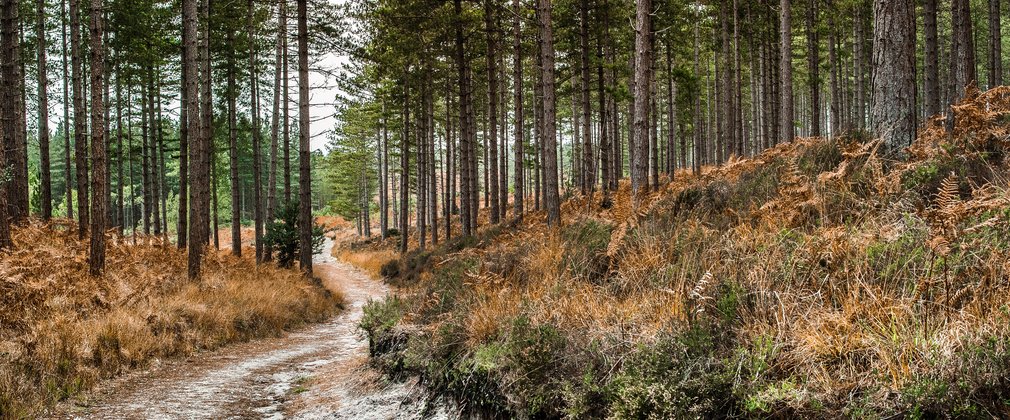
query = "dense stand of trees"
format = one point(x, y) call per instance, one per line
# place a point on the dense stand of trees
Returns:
point(449, 110)
point(583, 99)
point(151, 93)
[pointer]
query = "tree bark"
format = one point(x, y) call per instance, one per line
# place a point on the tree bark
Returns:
point(962, 51)
point(813, 68)
point(236, 209)
point(786, 126)
point(552, 199)
point(99, 164)
point(405, 166)
point(643, 76)
point(995, 47)
point(43, 82)
point(197, 158)
point(256, 140)
point(304, 159)
point(80, 121)
point(517, 98)
point(930, 64)
point(893, 110)
point(491, 30)
point(588, 181)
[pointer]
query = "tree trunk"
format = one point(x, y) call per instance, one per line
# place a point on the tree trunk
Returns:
point(80, 121)
point(182, 227)
point(209, 181)
point(836, 100)
point(696, 161)
point(46, 187)
point(275, 121)
point(153, 151)
point(517, 98)
point(552, 199)
point(786, 64)
point(405, 166)
point(8, 102)
point(422, 167)
point(120, 210)
point(813, 69)
point(995, 49)
point(604, 146)
point(962, 53)
point(67, 176)
point(859, 70)
point(930, 64)
point(304, 159)
point(893, 111)
point(236, 209)
point(384, 175)
point(197, 157)
point(643, 70)
point(286, 101)
point(490, 24)
point(256, 140)
point(588, 179)
point(99, 164)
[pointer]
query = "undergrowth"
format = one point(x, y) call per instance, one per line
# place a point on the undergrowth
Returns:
point(62, 330)
point(817, 279)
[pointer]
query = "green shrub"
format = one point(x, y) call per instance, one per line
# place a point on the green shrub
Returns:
point(282, 235)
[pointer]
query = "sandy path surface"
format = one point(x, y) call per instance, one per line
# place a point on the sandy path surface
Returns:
point(316, 372)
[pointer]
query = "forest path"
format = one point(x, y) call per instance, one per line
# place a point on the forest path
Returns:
point(320, 371)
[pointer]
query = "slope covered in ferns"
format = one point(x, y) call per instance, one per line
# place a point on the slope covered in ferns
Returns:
point(815, 279)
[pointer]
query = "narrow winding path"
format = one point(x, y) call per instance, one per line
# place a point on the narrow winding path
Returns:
point(316, 372)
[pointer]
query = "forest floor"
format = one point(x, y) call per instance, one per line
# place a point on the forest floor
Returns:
point(319, 371)
point(62, 331)
point(819, 278)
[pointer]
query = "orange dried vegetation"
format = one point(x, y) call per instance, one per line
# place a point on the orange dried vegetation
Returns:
point(62, 330)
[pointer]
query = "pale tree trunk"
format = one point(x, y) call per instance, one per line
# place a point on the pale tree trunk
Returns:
point(552, 199)
point(893, 110)
point(99, 164)
point(207, 184)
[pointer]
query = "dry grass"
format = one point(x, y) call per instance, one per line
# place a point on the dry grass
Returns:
point(833, 282)
point(62, 330)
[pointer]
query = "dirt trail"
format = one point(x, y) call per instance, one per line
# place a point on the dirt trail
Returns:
point(316, 372)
